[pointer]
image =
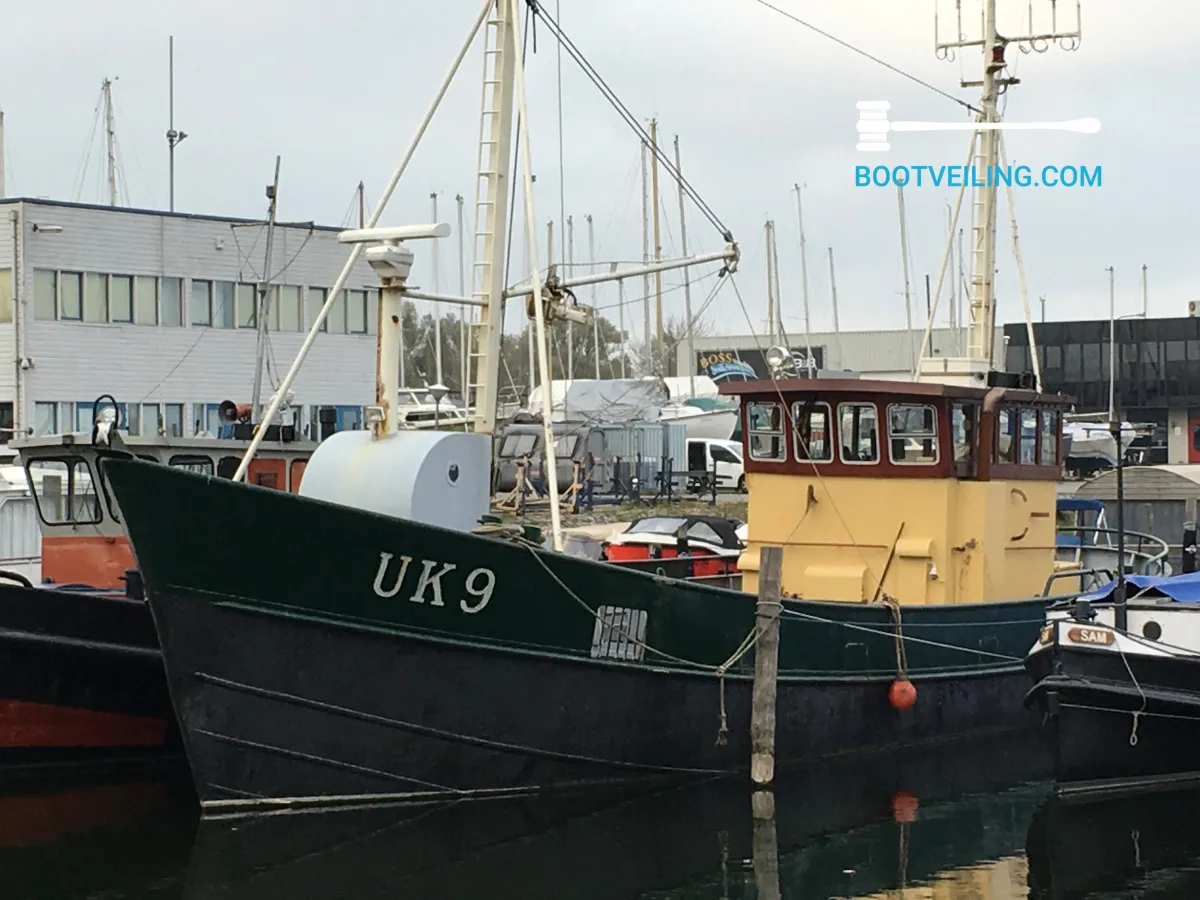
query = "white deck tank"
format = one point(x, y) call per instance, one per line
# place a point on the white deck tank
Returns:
point(433, 477)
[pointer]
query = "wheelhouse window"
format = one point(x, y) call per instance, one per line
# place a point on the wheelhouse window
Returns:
point(859, 426)
point(912, 433)
point(1029, 435)
point(1049, 445)
point(766, 437)
point(201, 465)
point(1006, 435)
point(64, 490)
point(810, 431)
point(964, 422)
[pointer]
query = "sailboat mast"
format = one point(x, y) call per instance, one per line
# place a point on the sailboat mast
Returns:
point(592, 271)
point(687, 277)
point(660, 362)
point(912, 350)
point(646, 252)
point(809, 363)
point(437, 289)
point(837, 331)
point(569, 273)
point(264, 300)
point(770, 285)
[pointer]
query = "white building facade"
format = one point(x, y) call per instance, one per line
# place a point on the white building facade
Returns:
point(158, 310)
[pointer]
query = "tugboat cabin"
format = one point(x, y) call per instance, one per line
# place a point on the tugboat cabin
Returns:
point(920, 492)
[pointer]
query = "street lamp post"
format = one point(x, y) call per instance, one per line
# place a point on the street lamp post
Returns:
point(438, 391)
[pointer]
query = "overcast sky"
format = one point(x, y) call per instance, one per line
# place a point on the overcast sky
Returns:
point(758, 103)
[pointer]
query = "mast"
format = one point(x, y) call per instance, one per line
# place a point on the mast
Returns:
point(984, 156)
point(837, 331)
point(1145, 298)
point(621, 321)
point(912, 349)
point(570, 272)
point(437, 289)
point(809, 363)
point(660, 363)
point(592, 271)
point(362, 218)
point(264, 299)
point(646, 251)
point(463, 349)
point(687, 276)
point(174, 138)
point(110, 141)
point(770, 285)
point(951, 297)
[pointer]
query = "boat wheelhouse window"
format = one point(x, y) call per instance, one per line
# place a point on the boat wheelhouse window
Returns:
point(964, 418)
point(766, 432)
point(912, 434)
point(201, 465)
point(227, 466)
point(1006, 433)
point(64, 490)
point(565, 445)
point(859, 432)
point(516, 445)
point(1029, 435)
point(1049, 447)
point(702, 531)
point(810, 431)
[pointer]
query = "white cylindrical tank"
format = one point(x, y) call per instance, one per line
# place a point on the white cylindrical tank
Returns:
point(438, 478)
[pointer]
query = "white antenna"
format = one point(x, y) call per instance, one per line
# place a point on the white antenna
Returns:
point(804, 278)
point(174, 138)
point(110, 140)
point(912, 349)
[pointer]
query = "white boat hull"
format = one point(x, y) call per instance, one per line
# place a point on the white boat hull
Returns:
point(718, 423)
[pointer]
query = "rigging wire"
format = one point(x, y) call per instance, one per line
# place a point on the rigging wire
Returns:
point(870, 56)
point(623, 111)
point(81, 173)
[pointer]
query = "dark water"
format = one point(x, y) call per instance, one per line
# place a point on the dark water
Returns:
point(975, 821)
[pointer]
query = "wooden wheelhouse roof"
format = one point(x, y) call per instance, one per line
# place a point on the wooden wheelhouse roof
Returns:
point(765, 388)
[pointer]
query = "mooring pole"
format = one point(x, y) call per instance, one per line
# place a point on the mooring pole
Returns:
point(766, 666)
point(766, 845)
point(1188, 550)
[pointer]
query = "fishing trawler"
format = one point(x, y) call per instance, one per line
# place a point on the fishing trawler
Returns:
point(411, 656)
point(80, 664)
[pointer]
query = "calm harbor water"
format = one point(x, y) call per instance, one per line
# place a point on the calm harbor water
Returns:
point(973, 821)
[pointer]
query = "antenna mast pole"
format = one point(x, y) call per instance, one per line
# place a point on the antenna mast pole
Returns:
point(837, 331)
point(437, 289)
point(592, 271)
point(110, 141)
point(981, 338)
point(687, 276)
point(646, 253)
point(174, 138)
point(912, 350)
point(809, 363)
point(659, 367)
point(264, 299)
point(463, 349)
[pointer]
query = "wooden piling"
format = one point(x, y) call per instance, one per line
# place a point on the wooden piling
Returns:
point(766, 846)
point(766, 667)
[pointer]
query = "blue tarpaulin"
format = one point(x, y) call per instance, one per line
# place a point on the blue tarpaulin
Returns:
point(1078, 504)
point(1180, 588)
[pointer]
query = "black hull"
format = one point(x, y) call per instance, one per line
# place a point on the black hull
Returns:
point(1110, 732)
point(81, 678)
point(334, 712)
point(690, 841)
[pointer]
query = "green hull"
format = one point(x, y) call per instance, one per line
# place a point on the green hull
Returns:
point(273, 599)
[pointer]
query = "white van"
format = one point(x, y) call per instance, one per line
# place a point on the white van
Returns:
point(705, 454)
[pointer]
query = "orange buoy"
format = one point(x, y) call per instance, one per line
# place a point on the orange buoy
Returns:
point(904, 807)
point(902, 694)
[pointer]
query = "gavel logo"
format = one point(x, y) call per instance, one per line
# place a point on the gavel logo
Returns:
point(873, 126)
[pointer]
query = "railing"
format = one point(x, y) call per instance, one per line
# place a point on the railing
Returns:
point(1145, 554)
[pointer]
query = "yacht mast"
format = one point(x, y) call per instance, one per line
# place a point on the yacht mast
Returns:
point(687, 278)
point(809, 363)
point(264, 299)
point(646, 254)
point(660, 368)
point(912, 348)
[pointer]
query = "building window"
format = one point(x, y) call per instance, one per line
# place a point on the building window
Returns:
point(172, 301)
point(349, 418)
point(373, 312)
point(120, 298)
point(223, 308)
point(1049, 451)
point(70, 285)
point(6, 422)
point(200, 310)
point(151, 419)
point(131, 418)
point(316, 300)
point(288, 315)
point(336, 322)
point(45, 418)
point(1006, 435)
point(810, 432)
point(66, 416)
point(45, 295)
point(356, 312)
point(95, 297)
point(912, 434)
point(145, 300)
point(766, 432)
point(859, 432)
point(247, 297)
point(6, 295)
point(173, 419)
